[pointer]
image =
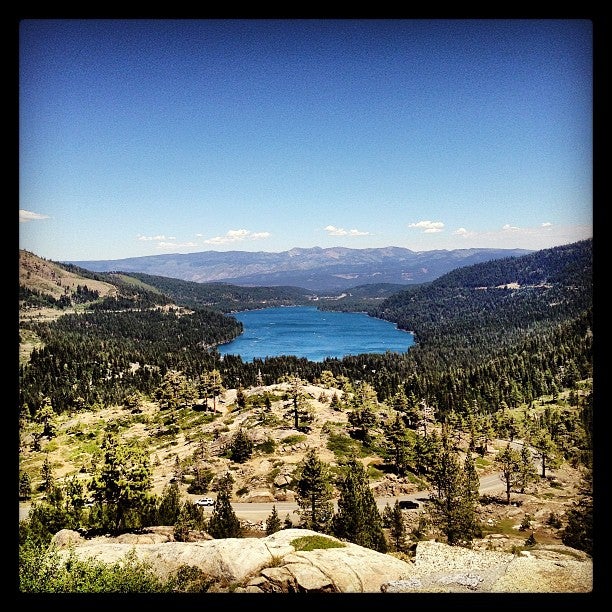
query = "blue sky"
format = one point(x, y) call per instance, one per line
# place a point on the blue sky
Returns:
point(143, 137)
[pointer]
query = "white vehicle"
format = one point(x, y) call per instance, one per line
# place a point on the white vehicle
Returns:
point(205, 501)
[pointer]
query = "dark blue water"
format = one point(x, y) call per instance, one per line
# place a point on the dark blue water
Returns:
point(304, 331)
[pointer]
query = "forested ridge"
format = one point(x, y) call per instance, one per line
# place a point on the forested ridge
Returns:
point(225, 297)
point(475, 327)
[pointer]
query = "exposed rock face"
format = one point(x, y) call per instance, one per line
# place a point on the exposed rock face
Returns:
point(273, 565)
point(442, 568)
point(259, 497)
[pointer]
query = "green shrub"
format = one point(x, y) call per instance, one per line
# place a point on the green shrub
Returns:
point(554, 521)
point(294, 439)
point(272, 474)
point(267, 447)
point(190, 579)
point(342, 445)
point(43, 571)
point(526, 523)
point(313, 542)
point(530, 541)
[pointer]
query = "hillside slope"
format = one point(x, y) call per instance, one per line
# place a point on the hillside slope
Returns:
point(196, 441)
point(502, 299)
point(46, 277)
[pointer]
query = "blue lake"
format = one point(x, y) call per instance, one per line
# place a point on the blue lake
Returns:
point(305, 331)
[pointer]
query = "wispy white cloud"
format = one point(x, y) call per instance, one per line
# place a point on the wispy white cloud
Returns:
point(175, 245)
point(157, 238)
point(541, 236)
point(464, 232)
point(165, 243)
point(340, 231)
point(27, 215)
point(238, 236)
point(428, 227)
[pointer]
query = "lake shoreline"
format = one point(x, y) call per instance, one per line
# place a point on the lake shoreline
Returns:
point(315, 334)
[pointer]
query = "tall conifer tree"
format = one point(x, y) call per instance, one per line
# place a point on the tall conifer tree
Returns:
point(452, 503)
point(223, 522)
point(358, 519)
point(314, 494)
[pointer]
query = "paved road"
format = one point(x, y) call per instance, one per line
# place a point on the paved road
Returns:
point(255, 511)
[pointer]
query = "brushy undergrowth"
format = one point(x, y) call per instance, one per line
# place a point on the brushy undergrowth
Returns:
point(315, 542)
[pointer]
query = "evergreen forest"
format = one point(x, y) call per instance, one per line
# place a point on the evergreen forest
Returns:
point(490, 339)
point(501, 332)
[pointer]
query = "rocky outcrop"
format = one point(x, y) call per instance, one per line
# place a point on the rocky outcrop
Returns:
point(451, 569)
point(275, 565)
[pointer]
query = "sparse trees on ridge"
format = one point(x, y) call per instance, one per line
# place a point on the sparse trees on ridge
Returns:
point(297, 405)
point(176, 391)
point(210, 385)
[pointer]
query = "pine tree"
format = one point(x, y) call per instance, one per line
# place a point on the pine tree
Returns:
point(335, 403)
point(177, 472)
point(527, 471)
point(46, 417)
point(472, 482)
point(578, 533)
point(314, 494)
point(297, 406)
point(170, 505)
point(362, 416)
point(452, 502)
point(358, 519)
point(241, 447)
point(509, 462)
point(398, 527)
point(387, 516)
point(241, 399)
point(74, 500)
point(223, 522)
point(397, 437)
point(273, 523)
point(122, 483)
point(426, 451)
point(202, 477)
point(187, 520)
point(546, 450)
point(47, 475)
point(175, 391)
point(471, 485)
point(215, 386)
point(25, 486)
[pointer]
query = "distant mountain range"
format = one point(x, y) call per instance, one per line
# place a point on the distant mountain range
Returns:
point(316, 269)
